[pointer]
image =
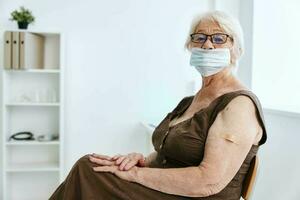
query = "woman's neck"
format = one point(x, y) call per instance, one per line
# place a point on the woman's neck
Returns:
point(219, 83)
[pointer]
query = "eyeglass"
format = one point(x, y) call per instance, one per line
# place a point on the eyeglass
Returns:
point(216, 38)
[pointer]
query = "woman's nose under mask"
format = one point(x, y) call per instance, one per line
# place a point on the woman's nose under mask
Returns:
point(209, 62)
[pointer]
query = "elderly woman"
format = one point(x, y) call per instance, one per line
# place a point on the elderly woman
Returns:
point(203, 148)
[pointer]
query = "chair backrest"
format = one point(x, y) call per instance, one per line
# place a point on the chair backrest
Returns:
point(249, 181)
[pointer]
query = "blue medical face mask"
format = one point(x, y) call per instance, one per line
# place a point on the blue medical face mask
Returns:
point(209, 62)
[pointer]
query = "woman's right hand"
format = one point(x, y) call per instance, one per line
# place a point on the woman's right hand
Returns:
point(126, 162)
point(102, 160)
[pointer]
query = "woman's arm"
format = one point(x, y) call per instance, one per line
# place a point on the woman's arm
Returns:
point(227, 145)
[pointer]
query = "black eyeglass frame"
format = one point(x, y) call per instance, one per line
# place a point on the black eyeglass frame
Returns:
point(211, 35)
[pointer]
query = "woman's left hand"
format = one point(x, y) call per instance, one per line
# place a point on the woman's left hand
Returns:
point(129, 175)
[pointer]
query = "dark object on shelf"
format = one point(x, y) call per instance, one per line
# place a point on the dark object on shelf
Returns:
point(42, 138)
point(22, 136)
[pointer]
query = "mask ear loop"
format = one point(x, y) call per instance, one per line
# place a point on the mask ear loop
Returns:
point(234, 66)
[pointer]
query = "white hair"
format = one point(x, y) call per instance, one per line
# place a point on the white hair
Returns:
point(228, 23)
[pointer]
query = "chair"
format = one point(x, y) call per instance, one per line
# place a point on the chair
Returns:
point(250, 178)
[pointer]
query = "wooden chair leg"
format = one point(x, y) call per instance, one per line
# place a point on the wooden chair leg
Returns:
point(250, 178)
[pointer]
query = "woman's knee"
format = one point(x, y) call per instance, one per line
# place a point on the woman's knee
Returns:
point(83, 159)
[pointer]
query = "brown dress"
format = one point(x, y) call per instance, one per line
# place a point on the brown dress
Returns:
point(181, 145)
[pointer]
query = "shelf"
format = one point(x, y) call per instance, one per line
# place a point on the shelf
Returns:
point(33, 167)
point(32, 71)
point(38, 31)
point(32, 104)
point(21, 143)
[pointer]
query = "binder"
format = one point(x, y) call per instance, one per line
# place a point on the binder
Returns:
point(7, 50)
point(15, 50)
point(31, 50)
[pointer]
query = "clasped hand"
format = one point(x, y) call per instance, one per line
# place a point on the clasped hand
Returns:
point(124, 166)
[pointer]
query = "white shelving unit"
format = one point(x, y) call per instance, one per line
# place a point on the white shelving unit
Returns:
point(33, 100)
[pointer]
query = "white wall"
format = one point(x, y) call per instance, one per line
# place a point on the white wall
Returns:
point(276, 64)
point(125, 64)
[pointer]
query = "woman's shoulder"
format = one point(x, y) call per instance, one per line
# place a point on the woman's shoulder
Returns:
point(240, 100)
point(240, 103)
point(244, 100)
point(240, 96)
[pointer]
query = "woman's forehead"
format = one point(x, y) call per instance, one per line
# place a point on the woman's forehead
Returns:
point(209, 26)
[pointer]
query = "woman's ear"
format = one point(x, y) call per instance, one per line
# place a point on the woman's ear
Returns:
point(188, 46)
point(234, 54)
